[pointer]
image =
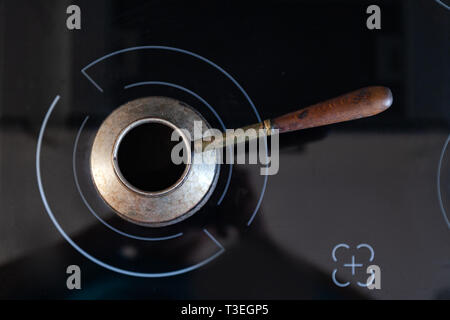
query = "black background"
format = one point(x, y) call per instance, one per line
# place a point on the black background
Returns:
point(369, 181)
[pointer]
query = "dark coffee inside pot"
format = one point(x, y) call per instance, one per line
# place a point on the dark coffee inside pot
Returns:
point(144, 157)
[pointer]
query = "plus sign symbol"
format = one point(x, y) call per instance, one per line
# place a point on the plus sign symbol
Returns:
point(354, 265)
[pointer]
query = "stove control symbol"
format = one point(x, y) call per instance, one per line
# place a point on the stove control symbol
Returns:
point(374, 271)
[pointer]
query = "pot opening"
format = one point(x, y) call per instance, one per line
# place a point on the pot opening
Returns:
point(142, 157)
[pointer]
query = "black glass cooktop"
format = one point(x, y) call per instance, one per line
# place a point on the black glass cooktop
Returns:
point(372, 193)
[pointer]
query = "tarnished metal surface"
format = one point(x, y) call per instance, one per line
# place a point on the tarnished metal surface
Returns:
point(230, 138)
point(153, 209)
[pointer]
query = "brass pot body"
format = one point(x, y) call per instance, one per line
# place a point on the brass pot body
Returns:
point(164, 207)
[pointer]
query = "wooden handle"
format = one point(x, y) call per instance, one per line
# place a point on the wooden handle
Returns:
point(358, 104)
